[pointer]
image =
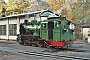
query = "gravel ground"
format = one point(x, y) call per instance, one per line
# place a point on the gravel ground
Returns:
point(13, 56)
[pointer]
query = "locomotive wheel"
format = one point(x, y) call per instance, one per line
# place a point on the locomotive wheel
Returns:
point(26, 43)
point(33, 45)
point(40, 45)
point(67, 46)
point(70, 44)
point(47, 46)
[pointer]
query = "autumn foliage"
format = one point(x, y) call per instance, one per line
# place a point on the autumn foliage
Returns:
point(73, 9)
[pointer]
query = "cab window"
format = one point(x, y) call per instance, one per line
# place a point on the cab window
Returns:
point(43, 25)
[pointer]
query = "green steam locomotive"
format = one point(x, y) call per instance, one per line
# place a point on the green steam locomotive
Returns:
point(56, 32)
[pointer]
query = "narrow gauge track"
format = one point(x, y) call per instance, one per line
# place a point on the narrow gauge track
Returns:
point(41, 54)
point(73, 50)
point(68, 49)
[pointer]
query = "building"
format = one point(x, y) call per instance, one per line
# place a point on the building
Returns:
point(9, 25)
point(85, 31)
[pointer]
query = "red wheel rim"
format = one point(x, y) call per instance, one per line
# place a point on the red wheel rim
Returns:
point(48, 46)
point(40, 45)
point(33, 45)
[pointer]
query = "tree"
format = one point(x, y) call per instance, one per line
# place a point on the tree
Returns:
point(2, 5)
point(56, 4)
point(0, 8)
point(18, 6)
point(73, 9)
point(80, 15)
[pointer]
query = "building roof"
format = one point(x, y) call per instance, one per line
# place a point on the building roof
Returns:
point(86, 26)
point(36, 12)
point(44, 13)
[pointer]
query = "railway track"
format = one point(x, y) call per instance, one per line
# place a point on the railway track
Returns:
point(42, 54)
point(66, 50)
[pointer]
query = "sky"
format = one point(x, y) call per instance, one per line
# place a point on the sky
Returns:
point(6, 1)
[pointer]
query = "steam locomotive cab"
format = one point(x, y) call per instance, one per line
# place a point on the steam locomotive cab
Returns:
point(57, 31)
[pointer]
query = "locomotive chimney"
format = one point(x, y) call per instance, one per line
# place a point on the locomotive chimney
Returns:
point(26, 22)
point(26, 19)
